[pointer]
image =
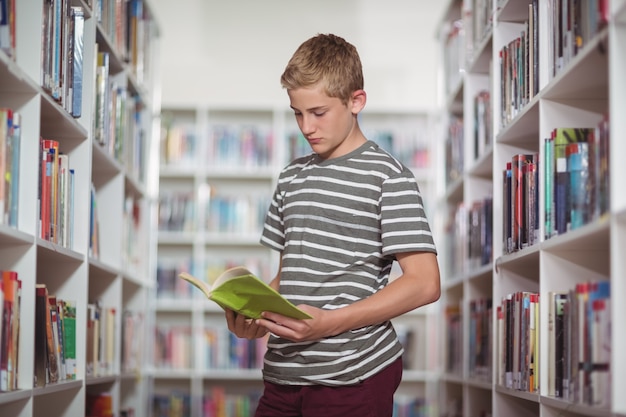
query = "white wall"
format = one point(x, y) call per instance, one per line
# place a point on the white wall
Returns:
point(232, 52)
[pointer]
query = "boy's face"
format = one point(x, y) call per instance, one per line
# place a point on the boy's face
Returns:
point(328, 125)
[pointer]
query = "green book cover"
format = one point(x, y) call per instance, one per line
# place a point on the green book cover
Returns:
point(69, 336)
point(240, 290)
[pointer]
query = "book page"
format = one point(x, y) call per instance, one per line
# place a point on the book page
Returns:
point(229, 274)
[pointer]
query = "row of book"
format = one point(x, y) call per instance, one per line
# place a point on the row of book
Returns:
point(101, 405)
point(172, 347)
point(179, 144)
point(177, 211)
point(133, 242)
point(117, 123)
point(133, 341)
point(10, 301)
point(454, 150)
point(221, 349)
point(62, 53)
point(573, 24)
point(216, 403)
point(7, 27)
point(55, 338)
point(127, 26)
point(579, 343)
point(10, 138)
point(470, 237)
point(241, 146)
point(410, 406)
point(236, 213)
point(169, 285)
point(576, 186)
point(56, 194)
point(101, 340)
point(455, 55)
point(517, 322)
point(520, 202)
point(519, 68)
point(478, 25)
point(409, 147)
point(580, 338)
point(483, 136)
point(577, 189)
point(453, 360)
point(480, 338)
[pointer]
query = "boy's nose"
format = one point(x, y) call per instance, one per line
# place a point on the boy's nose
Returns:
point(306, 125)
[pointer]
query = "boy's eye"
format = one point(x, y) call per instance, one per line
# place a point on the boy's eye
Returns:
point(319, 113)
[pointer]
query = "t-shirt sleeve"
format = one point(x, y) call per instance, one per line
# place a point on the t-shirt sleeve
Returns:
point(404, 225)
point(273, 234)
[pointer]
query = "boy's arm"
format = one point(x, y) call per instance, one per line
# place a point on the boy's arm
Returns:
point(418, 285)
point(275, 283)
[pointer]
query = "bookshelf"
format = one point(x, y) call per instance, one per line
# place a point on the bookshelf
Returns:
point(205, 172)
point(109, 272)
point(572, 86)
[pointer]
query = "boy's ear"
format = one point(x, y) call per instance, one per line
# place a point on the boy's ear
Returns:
point(359, 98)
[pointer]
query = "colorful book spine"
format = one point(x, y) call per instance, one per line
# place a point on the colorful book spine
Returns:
point(14, 174)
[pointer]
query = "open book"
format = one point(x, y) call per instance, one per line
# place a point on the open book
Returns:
point(240, 290)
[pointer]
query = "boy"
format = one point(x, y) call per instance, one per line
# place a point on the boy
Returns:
point(339, 218)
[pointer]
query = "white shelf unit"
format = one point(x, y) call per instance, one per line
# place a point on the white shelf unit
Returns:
point(187, 167)
point(120, 276)
point(588, 86)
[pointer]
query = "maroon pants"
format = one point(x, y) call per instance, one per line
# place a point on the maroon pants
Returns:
point(370, 398)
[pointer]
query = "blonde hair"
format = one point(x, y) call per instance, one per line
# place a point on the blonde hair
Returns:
point(328, 59)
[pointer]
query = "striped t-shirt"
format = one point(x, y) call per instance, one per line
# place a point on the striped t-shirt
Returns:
point(338, 224)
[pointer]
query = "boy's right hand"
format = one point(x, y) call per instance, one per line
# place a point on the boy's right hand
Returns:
point(243, 327)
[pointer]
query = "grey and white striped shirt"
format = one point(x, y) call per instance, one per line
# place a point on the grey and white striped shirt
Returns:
point(339, 223)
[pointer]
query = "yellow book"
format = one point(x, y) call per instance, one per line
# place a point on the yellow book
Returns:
point(240, 290)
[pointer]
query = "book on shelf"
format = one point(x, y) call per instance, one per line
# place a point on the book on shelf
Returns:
point(101, 339)
point(46, 359)
point(576, 184)
point(480, 337)
point(55, 338)
point(62, 54)
point(67, 314)
point(521, 202)
point(10, 300)
point(10, 128)
point(13, 170)
point(75, 64)
point(55, 198)
point(518, 342)
point(482, 122)
point(132, 340)
point(571, 27)
point(94, 224)
point(454, 339)
point(172, 346)
point(579, 344)
point(7, 27)
point(240, 290)
point(101, 105)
